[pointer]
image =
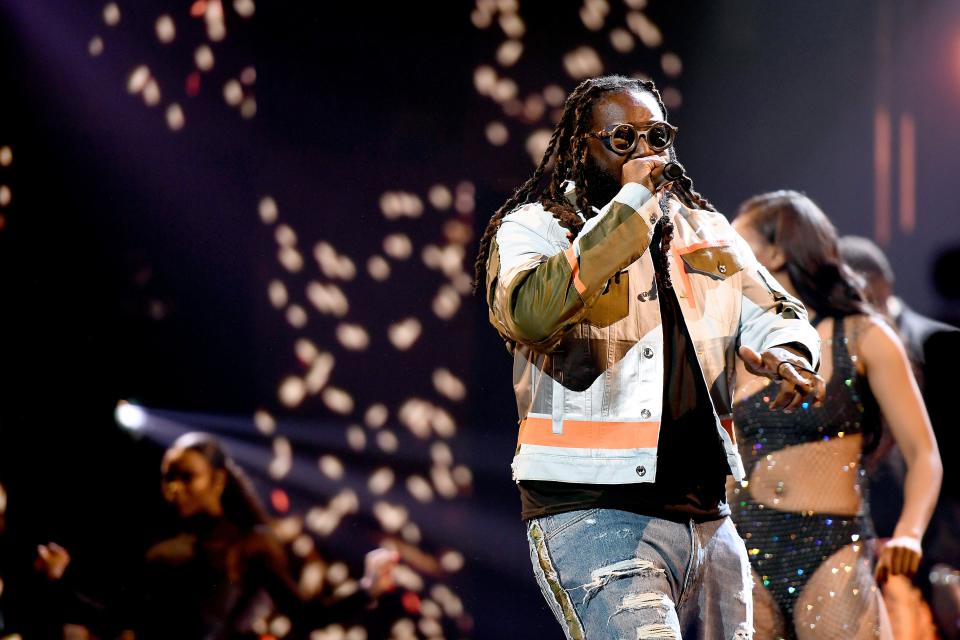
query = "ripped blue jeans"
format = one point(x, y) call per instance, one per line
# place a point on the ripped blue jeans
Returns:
point(614, 574)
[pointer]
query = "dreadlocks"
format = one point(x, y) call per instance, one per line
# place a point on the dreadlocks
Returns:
point(569, 144)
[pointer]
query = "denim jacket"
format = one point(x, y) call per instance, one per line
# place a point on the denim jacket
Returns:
point(582, 320)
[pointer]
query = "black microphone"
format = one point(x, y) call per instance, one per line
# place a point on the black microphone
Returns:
point(672, 171)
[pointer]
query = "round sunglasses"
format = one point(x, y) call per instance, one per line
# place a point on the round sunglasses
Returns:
point(623, 138)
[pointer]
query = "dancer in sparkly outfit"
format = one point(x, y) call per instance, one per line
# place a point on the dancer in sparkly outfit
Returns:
point(803, 512)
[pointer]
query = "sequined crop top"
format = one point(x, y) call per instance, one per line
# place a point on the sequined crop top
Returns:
point(848, 408)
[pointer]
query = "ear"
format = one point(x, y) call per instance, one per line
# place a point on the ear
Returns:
point(776, 259)
point(219, 481)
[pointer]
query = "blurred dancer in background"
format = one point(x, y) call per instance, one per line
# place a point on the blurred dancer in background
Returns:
point(933, 348)
point(208, 580)
point(804, 515)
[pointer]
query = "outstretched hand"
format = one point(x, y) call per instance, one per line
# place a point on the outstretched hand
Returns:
point(799, 383)
point(51, 560)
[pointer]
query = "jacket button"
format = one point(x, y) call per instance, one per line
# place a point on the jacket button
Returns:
point(645, 414)
point(641, 471)
point(648, 352)
point(722, 268)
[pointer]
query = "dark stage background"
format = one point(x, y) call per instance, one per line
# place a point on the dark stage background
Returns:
point(263, 225)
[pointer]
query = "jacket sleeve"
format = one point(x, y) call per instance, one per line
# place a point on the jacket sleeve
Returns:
point(539, 284)
point(769, 316)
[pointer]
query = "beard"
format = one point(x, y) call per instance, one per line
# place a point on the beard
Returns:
point(602, 185)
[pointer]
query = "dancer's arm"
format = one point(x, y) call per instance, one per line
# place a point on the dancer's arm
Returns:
point(892, 382)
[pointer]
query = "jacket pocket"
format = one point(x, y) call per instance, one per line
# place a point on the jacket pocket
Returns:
point(613, 304)
point(716, 261)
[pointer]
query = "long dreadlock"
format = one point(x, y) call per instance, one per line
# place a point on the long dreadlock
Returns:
point(568, 142)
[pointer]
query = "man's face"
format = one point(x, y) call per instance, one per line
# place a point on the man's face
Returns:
point(604, 168)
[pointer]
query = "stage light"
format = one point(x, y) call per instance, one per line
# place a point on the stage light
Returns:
point(203, 58)
point(356, 438)
point(440, 453)
point(319, 373)
point(411, 533)
point(481, 19)
point(505, 89)
point(404, 334)
point(446, 303)
point(175, 119)
point(151, 93)
point(592, 18)
point(244, 8)
point(449, 385)
point(583, 62)
point(376, 416)
point(248, 108)
point(292, 391)
point(233, 92)
point(387, 441)
point(248, 76)
point(671, 64)
point(166, 30)
point(337, 400)
point(484, 79)
point(130, 416)
point(537, 144)
point(282, 458)
point(331, 467)
point(296, 316)
point(264, 422)
point(285, 236)
point(440, 197)
point(138, 79)
point(647, 31)
point(95, 47)
point(328, 299)
point(419, 488)
point(277, 292)
point(111, 14)
point(268, 210)
point(398, 246)
point(672, 98)
point(497, 134)
point(291, 259)
point(621, 40)
point(554, 95)
point(509, 52)
point(452, 561)
point(380, 481)
point(306, 351)
point(512, 25)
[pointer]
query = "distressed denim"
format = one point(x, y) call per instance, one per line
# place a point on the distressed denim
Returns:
point(614, 574)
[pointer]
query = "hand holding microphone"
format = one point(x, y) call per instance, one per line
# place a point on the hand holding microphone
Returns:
point(653, 172)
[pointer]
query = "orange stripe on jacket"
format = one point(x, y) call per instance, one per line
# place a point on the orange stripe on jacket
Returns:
point(727, 424)
point(575, 268)
point(585, 434)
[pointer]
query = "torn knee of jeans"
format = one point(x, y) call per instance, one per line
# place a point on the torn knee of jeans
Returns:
point(657, 632)
point(651, 600)
point(623, 569)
